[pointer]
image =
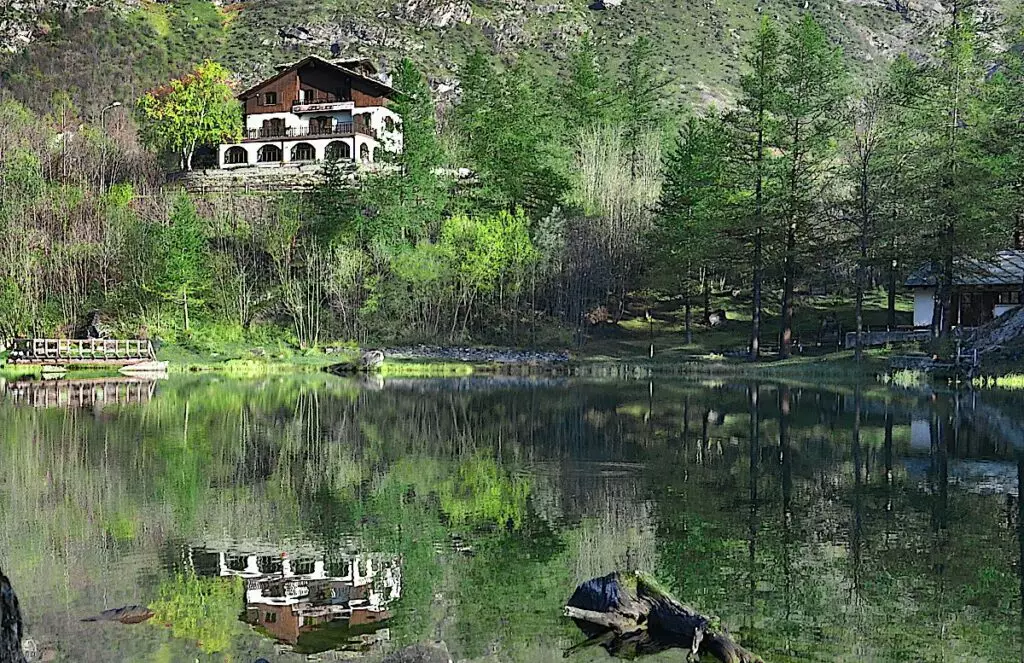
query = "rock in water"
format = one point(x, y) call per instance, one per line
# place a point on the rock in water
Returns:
point(11, 627)
point(129, 614)
point(434, 652)
point(371, 360)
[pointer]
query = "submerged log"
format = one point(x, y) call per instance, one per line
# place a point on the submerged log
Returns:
point(632, 616)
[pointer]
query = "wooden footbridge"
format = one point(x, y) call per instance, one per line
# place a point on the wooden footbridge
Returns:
point(92, 393)
point(133, 353)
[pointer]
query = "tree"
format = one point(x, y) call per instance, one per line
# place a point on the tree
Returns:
point(507, 129)
point(402, 204)
point(752, 126)
point(183, 257)
point(812, 93)
point(196, 109)
point(693, 208)
point(641, 85)
point(961, 196)
point(588, 96)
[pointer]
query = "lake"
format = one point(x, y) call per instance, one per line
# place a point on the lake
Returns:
point(319, 517)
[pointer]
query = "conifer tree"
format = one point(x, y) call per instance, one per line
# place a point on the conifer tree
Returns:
point(810, 111)
point(753, 128)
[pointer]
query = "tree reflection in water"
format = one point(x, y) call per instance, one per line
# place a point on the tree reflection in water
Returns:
point(817, 523)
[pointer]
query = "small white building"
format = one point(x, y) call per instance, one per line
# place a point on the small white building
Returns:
point(312, 110)
point(982, 289)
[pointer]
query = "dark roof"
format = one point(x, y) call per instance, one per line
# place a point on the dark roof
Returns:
point(1004, 268)
point(337, 65)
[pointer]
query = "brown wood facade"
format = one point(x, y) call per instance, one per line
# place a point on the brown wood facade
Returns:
point(313, 81)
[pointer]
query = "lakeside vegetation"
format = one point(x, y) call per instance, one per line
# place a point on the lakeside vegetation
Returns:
point(588, 222)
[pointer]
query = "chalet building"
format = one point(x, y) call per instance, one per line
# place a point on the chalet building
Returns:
point(312, 110)
point(982, 289)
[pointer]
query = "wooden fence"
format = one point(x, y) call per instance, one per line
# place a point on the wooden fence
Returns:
point(61, 351)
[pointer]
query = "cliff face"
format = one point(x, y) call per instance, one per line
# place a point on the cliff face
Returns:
point(118, 47)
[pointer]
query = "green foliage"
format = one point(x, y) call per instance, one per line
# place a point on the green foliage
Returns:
point(642, 84)
point(183, 274)
point(481, 494)
point(203, 610)
point(507, 126)
point(692, 212)
point(191, 111)
point(588, 96)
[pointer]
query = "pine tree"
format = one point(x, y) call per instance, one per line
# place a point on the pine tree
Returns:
point(752, 127)
point(508, 131)
point(588, 96)
point(642, 84)
point(692, 211)
point(957, 183)
point(813, 93)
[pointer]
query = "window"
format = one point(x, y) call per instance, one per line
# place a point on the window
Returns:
point(268, 154)
point(303, 152)
point(339, 151)
point(270, 618)
point(389, 123)
point(1009, 298)
point(270, 99)
point(364, 153)
point(236, 155)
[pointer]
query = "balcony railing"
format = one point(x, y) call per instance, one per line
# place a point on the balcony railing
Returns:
point(320, 105)
point(342, 129)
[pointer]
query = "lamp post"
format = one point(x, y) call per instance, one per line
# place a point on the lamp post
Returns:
point(103, 151)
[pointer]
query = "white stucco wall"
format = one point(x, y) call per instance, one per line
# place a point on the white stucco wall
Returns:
point(1000, 309)
point(924, 306)
point(293, 121)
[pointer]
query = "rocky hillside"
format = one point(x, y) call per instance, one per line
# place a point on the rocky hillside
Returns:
point(113, 49)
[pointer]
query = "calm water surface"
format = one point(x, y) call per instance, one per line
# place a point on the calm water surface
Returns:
point(331, 519)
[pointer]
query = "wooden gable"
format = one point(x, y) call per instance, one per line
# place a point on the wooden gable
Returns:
point(314, 80)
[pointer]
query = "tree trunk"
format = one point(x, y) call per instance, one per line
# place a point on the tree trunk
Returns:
point(184, 306)
point(891, 304)
point(788, 287)
point(705, 288)
point(755, 313)
point(689, 318)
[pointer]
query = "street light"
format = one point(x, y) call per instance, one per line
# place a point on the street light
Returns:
point(103, 152)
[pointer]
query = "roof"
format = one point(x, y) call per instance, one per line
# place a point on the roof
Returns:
point(1004, 268)
point(337, 65)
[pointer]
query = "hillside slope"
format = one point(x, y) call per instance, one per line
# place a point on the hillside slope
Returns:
point(114, 49)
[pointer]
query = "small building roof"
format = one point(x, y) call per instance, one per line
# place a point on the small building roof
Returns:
point(1003, 269)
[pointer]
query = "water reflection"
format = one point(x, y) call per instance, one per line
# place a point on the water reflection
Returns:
point(285, 517)
point(293, 596)
point(95, 393)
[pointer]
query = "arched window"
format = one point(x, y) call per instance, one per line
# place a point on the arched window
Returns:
point(269, 154)
point(236, 155)
point(364, 153)
point(303, 152)
point(375, 155)
point(339, 151)
point(389, 123)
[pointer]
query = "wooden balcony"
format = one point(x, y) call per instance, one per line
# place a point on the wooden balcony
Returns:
point(321, 105)
point(292, 133)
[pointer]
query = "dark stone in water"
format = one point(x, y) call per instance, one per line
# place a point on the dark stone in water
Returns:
point(129, 614)
point(11, 628)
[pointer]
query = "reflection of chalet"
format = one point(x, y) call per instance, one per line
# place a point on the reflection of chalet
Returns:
point(289, 594)
point(313, 110)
